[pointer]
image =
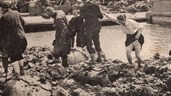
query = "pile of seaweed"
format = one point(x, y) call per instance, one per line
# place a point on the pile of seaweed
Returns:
point(121, 6)
point(128, 6)
point(110, 78)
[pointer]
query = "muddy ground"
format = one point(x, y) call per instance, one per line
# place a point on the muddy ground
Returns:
point(46, 77)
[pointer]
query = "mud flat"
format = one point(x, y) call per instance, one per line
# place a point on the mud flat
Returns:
point(44, 77)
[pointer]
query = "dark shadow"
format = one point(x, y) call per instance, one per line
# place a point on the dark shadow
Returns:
point(38, 28)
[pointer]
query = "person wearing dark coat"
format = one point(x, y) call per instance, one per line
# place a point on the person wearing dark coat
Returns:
point(62, 42)
point(76, 28)
point(91, 14)
point(13, 38)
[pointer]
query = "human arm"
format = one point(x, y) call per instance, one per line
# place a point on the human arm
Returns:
point(139, 32)
point(99, 14)
point(45, 16)
point(112, 18)
point(139, 29)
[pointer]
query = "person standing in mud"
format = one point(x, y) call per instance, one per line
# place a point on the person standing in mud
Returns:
point(13, 39)
point(62, 42)
point(134, 37)
point(76, 28)
point(91, 14)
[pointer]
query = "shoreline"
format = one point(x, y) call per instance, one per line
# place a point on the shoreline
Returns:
point(37, 23)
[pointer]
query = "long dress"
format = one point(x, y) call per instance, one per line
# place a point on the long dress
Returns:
point(62, 43)
point(12, 35)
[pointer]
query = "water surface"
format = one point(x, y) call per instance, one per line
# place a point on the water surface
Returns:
point(157, 39)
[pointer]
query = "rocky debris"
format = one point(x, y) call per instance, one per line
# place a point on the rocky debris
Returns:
point(110, 78)
point(27, 86)
point(126, 6)
point(120, 6)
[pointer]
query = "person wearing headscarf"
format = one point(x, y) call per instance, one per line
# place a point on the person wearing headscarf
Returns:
point(13, 38)
point(62, 42)
point(134, 37)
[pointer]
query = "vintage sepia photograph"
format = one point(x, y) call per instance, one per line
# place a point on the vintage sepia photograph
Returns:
point(85, 48)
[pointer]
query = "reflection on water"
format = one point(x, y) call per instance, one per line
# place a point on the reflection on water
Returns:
point(157, 39)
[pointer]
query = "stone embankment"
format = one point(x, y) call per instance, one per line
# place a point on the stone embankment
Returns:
point(37, 23)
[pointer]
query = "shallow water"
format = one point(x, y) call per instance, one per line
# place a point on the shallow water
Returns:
point(157, 39)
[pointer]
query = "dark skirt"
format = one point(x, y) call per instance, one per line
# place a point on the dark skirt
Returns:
point(131, 38)
point(15, 51)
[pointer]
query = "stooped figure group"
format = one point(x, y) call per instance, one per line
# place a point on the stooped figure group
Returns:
point(85, 26)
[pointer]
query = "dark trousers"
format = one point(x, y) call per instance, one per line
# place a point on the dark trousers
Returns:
point(93, 38)
point(64, 60)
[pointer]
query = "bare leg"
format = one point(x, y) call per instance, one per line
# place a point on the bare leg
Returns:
point(128, 53)
point(16, 68)
point(137, 52)
point(21, 64)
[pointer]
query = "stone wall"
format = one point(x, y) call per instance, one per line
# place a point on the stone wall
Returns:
point(161, 6)
point(160, 12)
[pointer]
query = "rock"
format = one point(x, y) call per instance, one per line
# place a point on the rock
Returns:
point(80, 92)
point(58, 72)
point(59, 91)
point(68, 81)
point(150, 69)
point(31, 65)
point(15, 88)
point(27, 86)
point(156, 56)
point(93, 77)
point(168, 83)
point(112, 78)
point(117, 61)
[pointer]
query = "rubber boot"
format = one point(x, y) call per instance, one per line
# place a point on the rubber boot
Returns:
point(21, 64)
point(5, 66)
point(92, 59)
point(16, 68)
point(64, 61)
point(100, 56)
point(103, 56)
